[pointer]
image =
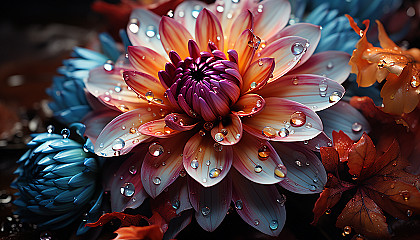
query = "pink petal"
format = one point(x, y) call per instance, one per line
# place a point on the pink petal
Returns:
point(95, 121)
point(245, 51)
point(305, 172)
point(142, 30)
point(147, 87)
point(111, 86)
point(126, 179)
point(124, 128)
point(345, 117)
point(158, 129)
point(315, 144)
point(312, 91)
point(162, 163)
point(179, 194)
point(180, 122)
point(208, 28)
point(305, 30)
point(261, 206)
point(174, 37)
point(257, 74)
point(275, 120)
point(248, 105)
point(244, 21)
point(331, 64)
point(187, 12)
point(287, 52)
point(210, 203)
point(230, 128)
point(206, 163)
point(257, 160)
point(270, 17)
point(146, 60)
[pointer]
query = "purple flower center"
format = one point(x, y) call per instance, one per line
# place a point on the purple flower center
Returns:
point(203, 85)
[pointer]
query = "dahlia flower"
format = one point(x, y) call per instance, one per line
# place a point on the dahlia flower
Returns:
point(57, 182)
point(69, 103)
point(217, 86)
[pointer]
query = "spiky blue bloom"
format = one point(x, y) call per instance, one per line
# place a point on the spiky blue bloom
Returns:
point(58, 182)
point(69, 101)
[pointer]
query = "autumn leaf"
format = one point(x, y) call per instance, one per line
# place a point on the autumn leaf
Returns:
point(152, 232)
point(126, 219)
point(342, 143)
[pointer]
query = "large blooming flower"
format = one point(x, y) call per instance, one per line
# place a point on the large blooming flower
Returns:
point(209, 90)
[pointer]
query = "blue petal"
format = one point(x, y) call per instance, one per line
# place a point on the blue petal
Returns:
point(68, 169)
point(72, 155)
point(109, 46)
point(91, 164)
point(89, 54)
point(68, 195)
point(82, 179)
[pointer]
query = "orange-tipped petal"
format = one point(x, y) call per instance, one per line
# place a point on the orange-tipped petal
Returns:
point(270, 17)
point(248, 105)
point(158, 129)
point(146, 60)
point(208, 28)
point(257, 74)
point(384, 40)
point(230, 128)
point(244, 21)
point(174, 36)
point(244, 48)
point(147, 87)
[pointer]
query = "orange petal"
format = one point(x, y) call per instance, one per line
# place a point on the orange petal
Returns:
point(157, 128)
point(384, 40)
point(147, 87)
point(146, 60)
point(230, 129)
point(174, 37)
point(257, 74)
point(208, 28)
point(248, 105)
point(244, 21)
point(243, 47)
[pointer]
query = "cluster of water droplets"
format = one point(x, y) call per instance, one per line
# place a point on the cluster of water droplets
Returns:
point(150, 31)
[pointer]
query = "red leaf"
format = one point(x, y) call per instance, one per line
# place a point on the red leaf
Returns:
point(362, 214)
point(330, 159)
point(369, 109)
point(152, 232)
point(330, 196)
point(342, 143)
point(361, 158)
point(126, 219)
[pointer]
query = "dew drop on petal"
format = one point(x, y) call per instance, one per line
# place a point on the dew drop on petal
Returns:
point(335, 96)
point(202, 133)
point(328, 211)
point(283, 132)
point(205, 211)
point(298, 163)
point(156, 149)
point(218, 137)
point(347, 230)
point(405, 195)
point(208, 162)
point(312, 188)
point(127, 189)
point(134, 25)
point(295, 81)
point(208, 126)
point(323, 87)
point(133, 130)
point(214, 173)
point(298, 119)
point(196, 11)
point(356, 127)
point(151, 31)
point(133, 170)
point(257, 168)
point(118, 144)
point(253, 85)
point(149, 96)
point(354, 177)
point(109, 66)
point(156, 180)
point(330, 65)
point(65, 133)
point(281, 200)
point(194, 164)
point(280, 171)
point(50, 129)
point(220, 8)
point(409, 213)
point(176, 204)
point(218, 147)
point(263, 153)
point(274, 224)
point(256, 222)
point(239, 205)
point(170, 13)
point(297, 49)
point(269, 132)
point(415, 83)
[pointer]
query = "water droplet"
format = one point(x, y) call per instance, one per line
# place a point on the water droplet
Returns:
point(323, 87)
point(220, 8)
point(269, 132)
point(298, 163)
point(127, 189)
point(312, 188)
point(415, 83)
point(208, 126)
point(118, 144)
point(134, 25)
point(176, 204)
point(194, 164)
point(257, 168)
point(405, 195)
point(235, 1)
point(356, 127)
point(218, 137)
point(170, 13)
point(280, 171)
point(109, 66)
point(328, 211)
point(297, 49)
point(156, 180)
point(258, 103)
point(182, 173)
point(256, 222)
point(347, 230)
point(298, 119)
point(149, 96)
point(335, 96)
point(260, 62)
point(238, 205)
point(283, 132)
point(196, 11)
point(156, 149)
point(214, 173)
point(218, 147)
point(238, 135)
point(133, 130)
point(205, 211)
point(50, 129)
point(274, 225)
point(133, 170)
point(409, 213)
point(308, 125)
point(354, 177)
point(151, 31)
point(263, 153)
point(330, 65)
point(295, 81)
point(208, 162)
point(65, 133)
point(202, 133)
point(253, 85)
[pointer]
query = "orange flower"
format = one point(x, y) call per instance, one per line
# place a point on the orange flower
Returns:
point(400, 68)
